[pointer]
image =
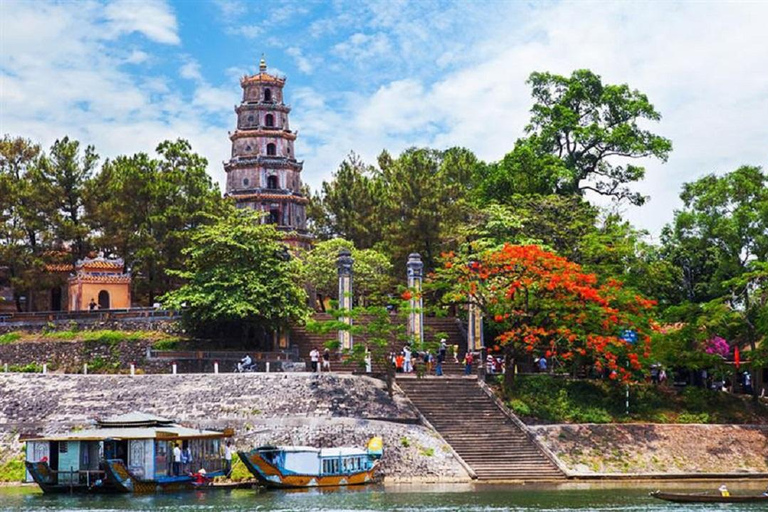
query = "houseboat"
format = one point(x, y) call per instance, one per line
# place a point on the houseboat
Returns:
point(128, 453)
point(305, 466)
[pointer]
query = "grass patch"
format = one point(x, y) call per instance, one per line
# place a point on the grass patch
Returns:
point(26, 368)
point(555, 400)
point(171, 343)
point(13, 470)
point(9, 337)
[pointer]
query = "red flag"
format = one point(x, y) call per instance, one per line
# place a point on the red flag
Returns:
point(736, 357)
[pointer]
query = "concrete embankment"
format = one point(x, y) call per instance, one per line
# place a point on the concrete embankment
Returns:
point(590, 450)
point(316, 410)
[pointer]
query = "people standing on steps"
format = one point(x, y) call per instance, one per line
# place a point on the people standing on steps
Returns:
point(407, 365)
point(455, 354)
point(314, 357)
point(326, 360)
point(441, 353)
point(468, 359)
point(368, 365)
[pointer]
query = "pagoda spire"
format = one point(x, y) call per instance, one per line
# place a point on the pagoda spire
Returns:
point(263, 64)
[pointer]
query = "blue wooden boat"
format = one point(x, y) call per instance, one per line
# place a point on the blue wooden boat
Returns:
point(128, 453)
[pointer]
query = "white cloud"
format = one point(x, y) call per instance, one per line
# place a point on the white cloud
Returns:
point(191, 70)
point(153, 18)
point(137, 57)
point(302, 62)
point(702, 65)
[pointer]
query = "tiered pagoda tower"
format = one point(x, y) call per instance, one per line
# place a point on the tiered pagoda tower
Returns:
point(263, 173)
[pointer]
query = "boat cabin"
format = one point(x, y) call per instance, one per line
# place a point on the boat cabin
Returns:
point(306, 460)
point(142, 442)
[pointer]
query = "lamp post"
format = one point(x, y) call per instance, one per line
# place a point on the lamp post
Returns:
point(344, 263)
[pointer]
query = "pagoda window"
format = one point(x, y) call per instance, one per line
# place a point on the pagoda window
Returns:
point(250, 119)
point(245, 182)
point(271, 149)
point(248, 148)
point(269, 120)
point(274, 215)
point(267, 94)
point(272, 182)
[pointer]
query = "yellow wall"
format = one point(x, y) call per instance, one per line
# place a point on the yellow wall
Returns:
point(119, 295)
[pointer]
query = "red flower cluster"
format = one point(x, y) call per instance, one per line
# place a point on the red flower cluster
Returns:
point(550, 306)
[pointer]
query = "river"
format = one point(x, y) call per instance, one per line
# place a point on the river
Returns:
point(401, 498)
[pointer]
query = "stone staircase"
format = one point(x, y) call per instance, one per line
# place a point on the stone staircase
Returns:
point(478, 430)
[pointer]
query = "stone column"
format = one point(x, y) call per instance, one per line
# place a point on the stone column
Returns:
point(344, 265)
point(475, 330)
point(416, 313)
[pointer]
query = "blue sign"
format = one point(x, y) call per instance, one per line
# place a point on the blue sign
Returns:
point(629, 336)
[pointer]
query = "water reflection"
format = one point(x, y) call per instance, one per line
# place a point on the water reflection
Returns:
point(401, 498)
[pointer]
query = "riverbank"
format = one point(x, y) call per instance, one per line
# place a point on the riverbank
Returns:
point(344, 410)
point(657, 451)
point(291, 408)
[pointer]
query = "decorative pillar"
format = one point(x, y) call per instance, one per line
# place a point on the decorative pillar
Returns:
point(416, 313)
point(344, 265)
point(475, 331)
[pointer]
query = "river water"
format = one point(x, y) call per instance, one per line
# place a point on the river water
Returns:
point(401, 498)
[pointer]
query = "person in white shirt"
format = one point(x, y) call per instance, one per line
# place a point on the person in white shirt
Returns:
point(407, 366)
point(228, 459)
point(176, 460)
point(314, 357)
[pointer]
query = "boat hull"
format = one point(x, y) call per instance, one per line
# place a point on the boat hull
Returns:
point(270, 476)
point(124, 481)
point(45, 477)
point(707, 498)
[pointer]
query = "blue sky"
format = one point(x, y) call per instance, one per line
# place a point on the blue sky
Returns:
point(124, 75)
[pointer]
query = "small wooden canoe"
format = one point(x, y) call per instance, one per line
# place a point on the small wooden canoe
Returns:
point(708, 498)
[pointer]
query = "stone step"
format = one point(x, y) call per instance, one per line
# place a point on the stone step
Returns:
point(481, 433)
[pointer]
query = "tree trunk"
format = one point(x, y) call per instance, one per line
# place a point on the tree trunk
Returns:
point(509, 373)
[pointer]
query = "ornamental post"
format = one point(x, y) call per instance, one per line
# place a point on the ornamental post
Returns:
point(475, 340)
point(344, 265)
point(416, 314)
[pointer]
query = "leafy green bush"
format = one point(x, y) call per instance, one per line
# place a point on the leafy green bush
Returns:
point(687, 417)
point(13, 470)
point(558, 400)
point(9, 337)
point(26, 368)
point(167, 344)
point(519, 407)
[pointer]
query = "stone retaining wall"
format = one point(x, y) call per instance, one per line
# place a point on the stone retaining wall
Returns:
point(320, 410)
point(657, 449)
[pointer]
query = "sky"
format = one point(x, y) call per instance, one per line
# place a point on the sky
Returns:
point(364, 76)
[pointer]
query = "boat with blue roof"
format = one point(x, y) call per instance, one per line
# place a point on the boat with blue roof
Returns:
point(305, 466)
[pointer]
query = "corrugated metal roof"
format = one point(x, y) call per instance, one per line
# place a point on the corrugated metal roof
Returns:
point(165, 432)
point(134, 417)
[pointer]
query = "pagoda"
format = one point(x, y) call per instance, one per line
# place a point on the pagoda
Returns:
point(263, 173)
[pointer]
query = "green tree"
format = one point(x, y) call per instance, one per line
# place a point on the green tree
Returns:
point(371, 271)
point(25, 234)
point(591, 126)
point(144, 210)
point(425, 198)
point(347, 206)
point(66, 173)
point(525, 170)
point(720, 242)
point(238, 272)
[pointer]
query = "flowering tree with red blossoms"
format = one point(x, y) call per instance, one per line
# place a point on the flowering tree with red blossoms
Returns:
point(545, 305)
